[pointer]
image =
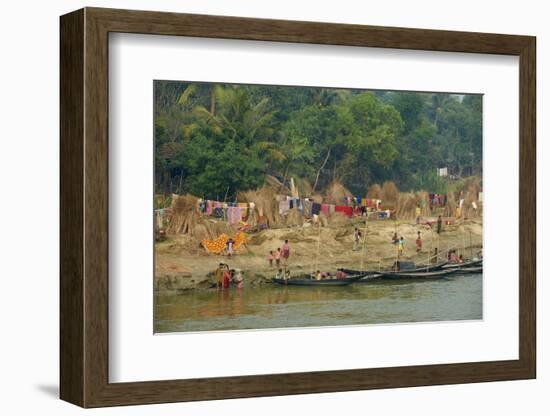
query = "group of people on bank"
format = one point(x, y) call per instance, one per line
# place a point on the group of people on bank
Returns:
point(279, 256)
point(225, 277)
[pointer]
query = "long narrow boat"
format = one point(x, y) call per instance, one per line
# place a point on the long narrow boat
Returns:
point(427, 267)
point(306, 280)
point(471, 263)
point(368, 275)
point(475, 269)
point(437, 274)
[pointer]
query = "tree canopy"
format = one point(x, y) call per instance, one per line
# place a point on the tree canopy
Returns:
point(214, 140)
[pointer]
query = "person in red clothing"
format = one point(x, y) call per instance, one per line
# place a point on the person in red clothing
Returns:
point(418, 242)
point(227, 275)
point(285, 253)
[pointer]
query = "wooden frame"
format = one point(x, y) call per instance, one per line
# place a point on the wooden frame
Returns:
point(84, 207)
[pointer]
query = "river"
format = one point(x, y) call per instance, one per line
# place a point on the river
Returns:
point(272, 306)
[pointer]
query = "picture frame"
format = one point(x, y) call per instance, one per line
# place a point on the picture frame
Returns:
point(84, 217)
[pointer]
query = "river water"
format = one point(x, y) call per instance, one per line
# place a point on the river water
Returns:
point(273, 306)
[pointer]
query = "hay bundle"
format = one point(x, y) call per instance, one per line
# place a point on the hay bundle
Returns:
point(423, 200)
point(266, 205)
point(317, 198)
point(405, 208)
point(303, 186)
point(472, 199)
point(216, 228)
point(374, 192)
point(337, 220)
point(250, 196)
point(390, 195)
point(184, 214)
point(294, 218)
point(450, 206)
point(277, 185)
point(335, 193)
point(187, 220)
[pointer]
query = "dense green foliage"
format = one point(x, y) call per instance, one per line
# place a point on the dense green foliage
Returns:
point(214, 140)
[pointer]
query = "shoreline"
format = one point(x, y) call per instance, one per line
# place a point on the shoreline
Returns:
point(181, 264)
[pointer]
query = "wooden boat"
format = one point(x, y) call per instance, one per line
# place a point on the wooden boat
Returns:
point(368, 276)
point(429, 267)
point(307, 280)
point(475, 269)
point(466, 264)
point(436, 274)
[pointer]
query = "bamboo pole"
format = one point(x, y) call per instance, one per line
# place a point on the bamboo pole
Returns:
point(363, 246)
point(432, 247)
point(471, 246)
point(463, 243)
point(318, 249)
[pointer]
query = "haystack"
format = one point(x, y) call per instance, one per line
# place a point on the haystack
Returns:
point(450, 206)
point(187, 220)
point(277, 185)
point(423, 200)
point(390, 195)
point(294, 218)
point(303, 186)
point(184, 214)
point(472, 199)
point(406, 206)
point(374, 192)
point(335, 193)
point(266, 206)
point(337, 220)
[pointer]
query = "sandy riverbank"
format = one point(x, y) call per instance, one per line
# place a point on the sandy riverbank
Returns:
point(180, 263)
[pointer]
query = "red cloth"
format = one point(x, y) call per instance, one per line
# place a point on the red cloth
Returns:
point(226, 279)
point(344, 210)
point(325, 209)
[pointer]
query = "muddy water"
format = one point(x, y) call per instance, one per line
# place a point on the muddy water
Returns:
point(273, 306)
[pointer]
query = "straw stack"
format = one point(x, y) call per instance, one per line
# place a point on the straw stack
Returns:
point(450, 207)
point(390, 195)
point(336, 192)
point(374, 192)
point(423, 199)
point(406, 206)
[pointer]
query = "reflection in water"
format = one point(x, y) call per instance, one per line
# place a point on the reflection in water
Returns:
point(273, 306)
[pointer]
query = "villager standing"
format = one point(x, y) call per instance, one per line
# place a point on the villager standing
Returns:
point(218, 276)
point(227, 275)
point(356, 239)
point(435, 256)
point(278, 257)
point(285, 252)
point(229, 247)
point(271, 257)
point(439, 224)
point(395, 238)
point(401, 246)
point(418, 242)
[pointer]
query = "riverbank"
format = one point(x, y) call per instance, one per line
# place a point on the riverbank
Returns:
point(181, 264)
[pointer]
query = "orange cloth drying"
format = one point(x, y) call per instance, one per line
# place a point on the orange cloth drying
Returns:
point(218, 245)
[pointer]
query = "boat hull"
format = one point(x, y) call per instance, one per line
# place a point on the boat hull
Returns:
point(313, 282)
point(438, 274)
